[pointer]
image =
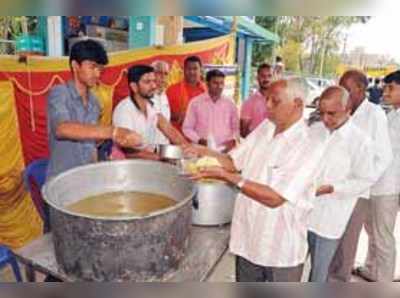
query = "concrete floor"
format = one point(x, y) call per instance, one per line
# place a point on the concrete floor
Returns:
point(225, 270)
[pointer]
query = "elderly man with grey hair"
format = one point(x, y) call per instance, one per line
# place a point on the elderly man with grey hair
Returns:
point(274, 170)
point(160, 99)
point(346, 172)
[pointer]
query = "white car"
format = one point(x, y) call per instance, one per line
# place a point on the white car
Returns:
point(313, 91)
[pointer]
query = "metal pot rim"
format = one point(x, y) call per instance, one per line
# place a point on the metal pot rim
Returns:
point(212, 182)
point(120, 218)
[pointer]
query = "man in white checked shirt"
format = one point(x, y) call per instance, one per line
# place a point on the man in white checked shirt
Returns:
point(278, 162)
point(346, 173)
point(160, 99)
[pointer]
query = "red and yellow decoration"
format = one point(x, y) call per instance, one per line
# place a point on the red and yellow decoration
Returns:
point(24, 85)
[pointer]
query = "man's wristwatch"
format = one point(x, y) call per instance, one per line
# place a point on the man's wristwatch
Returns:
point(240, 184)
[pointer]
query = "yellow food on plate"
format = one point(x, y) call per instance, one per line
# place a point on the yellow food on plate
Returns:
point(207, 161)
point(204, 162)
point(193, 166)
point(190, 168)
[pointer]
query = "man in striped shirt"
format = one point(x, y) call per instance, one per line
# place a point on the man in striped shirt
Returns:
point(277, 163)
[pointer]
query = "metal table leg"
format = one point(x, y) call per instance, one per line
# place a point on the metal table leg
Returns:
point(30, 273)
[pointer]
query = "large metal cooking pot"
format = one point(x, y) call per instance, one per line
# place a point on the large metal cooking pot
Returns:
point(214, 203)
point(124, 249)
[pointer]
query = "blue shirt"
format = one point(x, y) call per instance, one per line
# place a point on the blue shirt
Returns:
point(64, 104)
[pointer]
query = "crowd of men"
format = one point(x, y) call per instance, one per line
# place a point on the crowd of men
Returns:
point(304, 190)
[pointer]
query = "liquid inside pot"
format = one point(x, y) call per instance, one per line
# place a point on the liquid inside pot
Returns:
point(122, 204)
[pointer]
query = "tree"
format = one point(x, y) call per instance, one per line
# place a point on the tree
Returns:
point(11, 27)
point(327, 33)
point(292, 51)
point(307, 44)
point(261, 51)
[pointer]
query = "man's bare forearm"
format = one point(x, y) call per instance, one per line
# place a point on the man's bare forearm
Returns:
point(80, 132)
point(259, 192)
point(142, 154)
point(174, 136)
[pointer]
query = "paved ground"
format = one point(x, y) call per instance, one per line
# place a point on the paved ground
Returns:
point(224, 271)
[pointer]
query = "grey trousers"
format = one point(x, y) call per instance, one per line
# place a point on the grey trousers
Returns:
point(380, 224)
point(343, 261)
point(322, 251)
point(249, 272)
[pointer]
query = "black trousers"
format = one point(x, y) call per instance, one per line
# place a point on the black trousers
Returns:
point(249, 272)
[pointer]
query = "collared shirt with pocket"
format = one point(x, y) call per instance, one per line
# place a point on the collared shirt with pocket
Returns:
point(161, 105)
point(347, 165)
point(371, 119)
point(205, 118)
point(288, 163)
point(127, 115)
point(64, 104)
point(389, 182)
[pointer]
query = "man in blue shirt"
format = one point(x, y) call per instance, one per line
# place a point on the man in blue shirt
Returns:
point(73, 113)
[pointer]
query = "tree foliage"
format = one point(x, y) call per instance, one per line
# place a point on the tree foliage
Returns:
point(13, 26)
point(261, 51)
point(308, 44)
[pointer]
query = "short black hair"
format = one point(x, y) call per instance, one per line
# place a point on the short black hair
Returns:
point(192, 59)
point(215, 73)
point(278, 59)
point(136, 72)
point(392, 77)
point(88, 50)
point(263, 66)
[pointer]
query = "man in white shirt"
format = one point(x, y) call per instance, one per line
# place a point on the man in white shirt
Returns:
point(137, 112)
point(346, 173)
point(160, 99)
point(278, 162)
point(371, 119)
point(381, 258)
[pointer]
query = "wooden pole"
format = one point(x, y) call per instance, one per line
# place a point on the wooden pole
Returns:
point(234, 24)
